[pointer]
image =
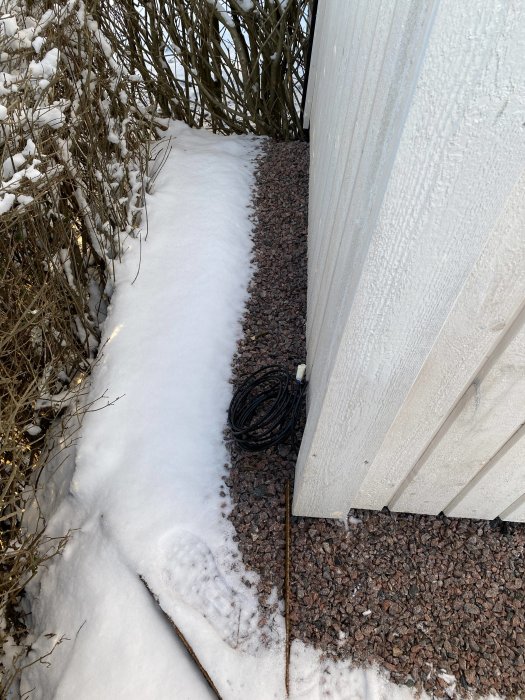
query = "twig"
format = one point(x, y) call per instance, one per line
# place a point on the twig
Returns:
point(287, 549)
point(185, 642)
point(140, 258)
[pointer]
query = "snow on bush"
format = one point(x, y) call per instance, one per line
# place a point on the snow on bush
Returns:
point(73, 150)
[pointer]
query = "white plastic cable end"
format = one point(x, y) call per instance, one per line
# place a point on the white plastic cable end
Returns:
point(301, 369)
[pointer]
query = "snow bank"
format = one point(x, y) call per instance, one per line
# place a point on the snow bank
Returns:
point(143, 497)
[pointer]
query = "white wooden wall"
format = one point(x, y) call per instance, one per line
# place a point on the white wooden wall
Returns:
point(416, 335)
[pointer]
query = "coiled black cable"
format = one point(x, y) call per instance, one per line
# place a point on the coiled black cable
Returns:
point(265, 409)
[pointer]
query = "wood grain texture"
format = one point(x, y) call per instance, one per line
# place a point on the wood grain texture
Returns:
point(458, 158)
point(336, 65)
point(482, 424)
point(488, 303)
point(377, 49)
point(377, 94)
point(353, 149)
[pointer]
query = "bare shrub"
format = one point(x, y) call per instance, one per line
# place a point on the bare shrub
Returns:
point(237, 65)
point(74, 145)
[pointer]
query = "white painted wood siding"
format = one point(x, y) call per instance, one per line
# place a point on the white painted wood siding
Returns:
point(416, 257)
point(488, 414)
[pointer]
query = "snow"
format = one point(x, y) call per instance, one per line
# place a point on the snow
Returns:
point(6, 202)
point(51, 116)
point(46, 68)
point(223, 13)
point(136, 484)
point(7, 83)
point(313, 678)
point(12, 164)
point(24, 199)
point(30, 148)
point(8, 25)
point(245, 5)
point(142, 499)
point(38, 43)
point(32, 172)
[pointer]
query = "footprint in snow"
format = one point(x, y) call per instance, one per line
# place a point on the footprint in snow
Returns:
point(193, 575)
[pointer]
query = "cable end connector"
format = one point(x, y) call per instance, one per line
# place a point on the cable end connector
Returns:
point(301, 371)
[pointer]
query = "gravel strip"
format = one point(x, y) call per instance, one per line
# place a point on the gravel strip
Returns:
point(417, 595)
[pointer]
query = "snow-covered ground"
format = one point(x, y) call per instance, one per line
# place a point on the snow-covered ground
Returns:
point(139, 485)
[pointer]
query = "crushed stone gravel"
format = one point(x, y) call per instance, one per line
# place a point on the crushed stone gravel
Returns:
point(419, 596)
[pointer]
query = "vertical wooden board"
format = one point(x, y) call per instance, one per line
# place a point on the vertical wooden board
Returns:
point(324, 126)
point(381, 80)
point(459, 157)
point(487, 304)
point(314, 62)
point(350, 45)
point(353, 108)
point(496, 486)
point(328, 124)
point(315, 83)
point(389, 61)
point(369, 164)
point(493, 412)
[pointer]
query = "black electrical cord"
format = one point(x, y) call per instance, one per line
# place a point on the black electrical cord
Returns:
point(265, 409)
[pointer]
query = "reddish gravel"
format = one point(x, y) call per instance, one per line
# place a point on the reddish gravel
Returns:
point(415, 594)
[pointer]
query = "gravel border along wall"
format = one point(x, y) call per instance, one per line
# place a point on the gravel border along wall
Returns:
point(414, 594)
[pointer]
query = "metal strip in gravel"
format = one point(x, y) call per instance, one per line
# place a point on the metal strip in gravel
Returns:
point(417, 595)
